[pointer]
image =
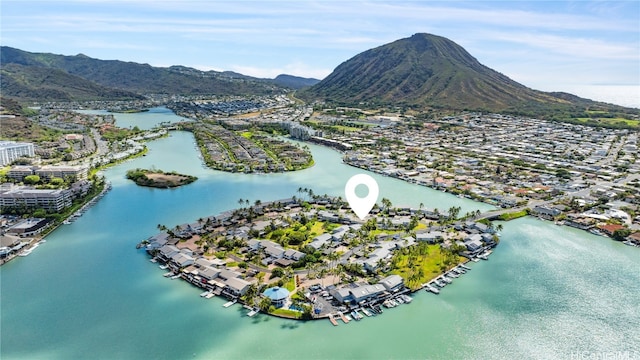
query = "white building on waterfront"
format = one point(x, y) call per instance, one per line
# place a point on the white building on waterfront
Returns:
point(11, 150)
point(29, 198)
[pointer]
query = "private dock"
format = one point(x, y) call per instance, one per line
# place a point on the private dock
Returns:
point(344, 318)
point(333, 321)
point(229, 303)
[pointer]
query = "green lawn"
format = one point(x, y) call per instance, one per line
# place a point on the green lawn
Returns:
point(287, 313)
point(513, 215)
point(425, 267)
point(290, 285)
point(610, 121)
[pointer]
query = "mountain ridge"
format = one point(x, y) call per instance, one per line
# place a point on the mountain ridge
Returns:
point(427, 70)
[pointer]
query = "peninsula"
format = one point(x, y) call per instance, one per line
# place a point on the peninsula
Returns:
point(310, 257)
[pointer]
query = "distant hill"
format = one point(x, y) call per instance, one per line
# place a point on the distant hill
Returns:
point(139, 78)
point(294, 82)
point(33, 83)
point(426, 70)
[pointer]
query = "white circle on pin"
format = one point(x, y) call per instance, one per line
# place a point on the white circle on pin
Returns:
point(361, 206)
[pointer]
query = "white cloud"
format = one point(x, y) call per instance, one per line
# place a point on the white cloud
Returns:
point(573, 46)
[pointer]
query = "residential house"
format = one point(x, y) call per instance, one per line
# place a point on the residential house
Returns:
point(392, 282)
point(431, 237)
point(236, 286)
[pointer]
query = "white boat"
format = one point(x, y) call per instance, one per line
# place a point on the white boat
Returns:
point(175, 277)
point(229, 303)
point(204, 293)
point(28, 251)
point(366, 312)
point(453, 274)
point(465, 267)
point(164, 267)
point(209, 295)
point(433, 289)
point(446, 279)
point(252, 312)
point(407, 299)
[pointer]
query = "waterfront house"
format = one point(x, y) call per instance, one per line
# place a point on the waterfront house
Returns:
point(182, 259)
point(545, 212)
point(473, 243)
point(168, 251)
point(367, 292)
point(157, 241)
point(392, 282)
point(208, 273)
point(236, 286)
point(342, 295)
point(610, 229)
point(29, 227)
point(226, 274)
point(277, 295)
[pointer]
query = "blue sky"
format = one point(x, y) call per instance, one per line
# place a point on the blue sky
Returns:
point(547, 45)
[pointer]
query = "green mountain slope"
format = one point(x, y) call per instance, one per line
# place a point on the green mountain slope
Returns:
point(294, 82)
point(33, 83)
point(140, 78)
point(426, 70)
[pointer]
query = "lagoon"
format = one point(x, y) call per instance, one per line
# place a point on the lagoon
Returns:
point(546, 292)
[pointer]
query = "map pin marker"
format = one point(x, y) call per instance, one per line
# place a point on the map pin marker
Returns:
point(361, 206)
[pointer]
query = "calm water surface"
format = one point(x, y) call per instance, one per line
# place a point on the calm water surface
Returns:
point(547, 291)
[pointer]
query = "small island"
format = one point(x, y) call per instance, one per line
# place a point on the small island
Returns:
point(159, 179)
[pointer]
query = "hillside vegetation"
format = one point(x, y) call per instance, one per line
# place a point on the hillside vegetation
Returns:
point(429, 71)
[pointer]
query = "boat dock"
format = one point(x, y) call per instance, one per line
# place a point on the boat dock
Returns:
point(253, 312)
point(228, 304)
point(344, 318)
point(333, 321)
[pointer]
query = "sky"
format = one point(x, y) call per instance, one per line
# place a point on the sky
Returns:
point(546, 45)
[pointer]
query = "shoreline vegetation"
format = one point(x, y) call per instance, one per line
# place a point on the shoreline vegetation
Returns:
point(129, 111)
point(158, 178)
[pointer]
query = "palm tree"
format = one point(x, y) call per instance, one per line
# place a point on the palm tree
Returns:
point(386, 203)
point(499, 228)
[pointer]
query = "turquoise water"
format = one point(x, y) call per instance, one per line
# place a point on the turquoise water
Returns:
point(547, 291)
point(143, 120)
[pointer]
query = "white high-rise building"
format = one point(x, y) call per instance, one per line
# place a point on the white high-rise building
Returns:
point(11, 150)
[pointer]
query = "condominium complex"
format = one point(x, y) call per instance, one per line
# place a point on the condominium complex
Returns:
point(19, 172)
point(24, 197)
point(11, 150)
